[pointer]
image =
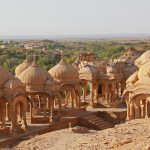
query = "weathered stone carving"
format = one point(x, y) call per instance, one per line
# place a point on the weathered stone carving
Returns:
point(137, 89)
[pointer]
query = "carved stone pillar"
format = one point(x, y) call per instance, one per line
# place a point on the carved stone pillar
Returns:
point(19, 114)
point(3, 114)
point(13, 111)
point(112, 91)
point(31, 107)
point(142, 110)
point(79, 98)
point(106, 93)
point(142, 107)
point(76, 95)
point(91, 93)
point(39, 104)
point(146, 109)
point(24, 122)
point(128, 110)
point(132, 114)
point(7, 112)
point(59, 103)
point(44, 107)
point(117, 89)
point(52, 111)
point(96, 92)
point(72, 99)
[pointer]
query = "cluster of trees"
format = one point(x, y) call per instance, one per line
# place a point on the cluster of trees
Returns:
point(11, 56)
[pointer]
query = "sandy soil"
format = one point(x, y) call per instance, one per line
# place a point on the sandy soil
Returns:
point(132, 135)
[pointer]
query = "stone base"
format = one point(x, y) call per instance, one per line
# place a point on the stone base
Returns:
point(84, 104)
point(97, 105)
point(40, 119)
point(116, 104)
point(71, 112)
point(4, 131)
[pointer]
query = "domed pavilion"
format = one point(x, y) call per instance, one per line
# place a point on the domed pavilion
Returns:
point(137, 93)
point(13, 103)
point(23, 66)
point(68, 78)
point(35, 80)
point(88, 75)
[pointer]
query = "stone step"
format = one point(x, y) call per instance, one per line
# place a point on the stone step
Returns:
point(84, 114)
point(93, 119)
point(103, 125)
point(98, 122)
point(90, 117)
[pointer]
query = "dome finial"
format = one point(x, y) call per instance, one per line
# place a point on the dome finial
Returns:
point(34, 59)
point(26, 55)
point(62, 54)
point(26, 60)
point(62, 57)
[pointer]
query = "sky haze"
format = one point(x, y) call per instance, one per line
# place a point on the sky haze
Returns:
point(74, 17)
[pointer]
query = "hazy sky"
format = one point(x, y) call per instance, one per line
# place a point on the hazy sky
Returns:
point(74, 17)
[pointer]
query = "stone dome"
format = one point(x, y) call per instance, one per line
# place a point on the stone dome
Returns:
point(111, 69)
point(63, 71)
point(101, 67)
point(88, 72)
point(132, 79)
point(13, 87)
point(23, 66)
point(144, 70)
point(4, 76)
point(34, 77)
point(141, 77)
point(13, 84)
point(145, 57)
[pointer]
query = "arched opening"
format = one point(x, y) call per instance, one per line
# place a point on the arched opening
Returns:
point(148, 109)
point(87, 89)
point(141, 106)
point(19, 110)
point(110, 87)
point(3, 112)
point(100, 89)
point(18, 114)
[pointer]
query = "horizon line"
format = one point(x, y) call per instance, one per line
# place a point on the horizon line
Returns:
point(79, 34)
point(74, 36)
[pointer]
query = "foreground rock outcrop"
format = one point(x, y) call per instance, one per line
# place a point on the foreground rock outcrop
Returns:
point(132, 135)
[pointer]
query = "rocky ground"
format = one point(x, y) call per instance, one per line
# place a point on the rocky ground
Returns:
point(132, 135)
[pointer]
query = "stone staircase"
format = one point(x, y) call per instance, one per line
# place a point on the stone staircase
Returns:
point(95, 122)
